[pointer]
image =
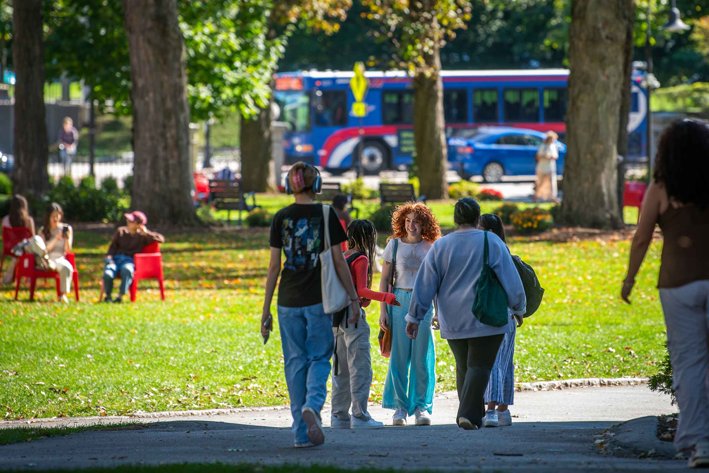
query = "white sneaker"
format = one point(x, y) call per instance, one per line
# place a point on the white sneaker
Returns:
point(491, 419)
point(312, 420)
point(399, 417)
point(422, 417)
point(699, 457)
point(504, 418)
point(365, 423)
point(337, 423)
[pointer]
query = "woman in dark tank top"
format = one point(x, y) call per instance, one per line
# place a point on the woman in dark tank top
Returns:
point(678, 201)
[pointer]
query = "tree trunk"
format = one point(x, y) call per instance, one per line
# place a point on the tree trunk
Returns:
point(625, 105)
point(429, 130)
point(162, 169)
point(255, 144)
point(30, 135)
point(597, 44)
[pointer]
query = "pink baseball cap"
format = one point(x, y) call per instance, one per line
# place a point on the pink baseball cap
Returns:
point(136, 216)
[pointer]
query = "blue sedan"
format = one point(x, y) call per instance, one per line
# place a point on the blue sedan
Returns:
point(494, 152)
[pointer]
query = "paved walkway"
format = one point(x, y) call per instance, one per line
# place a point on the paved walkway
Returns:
point(559, 430)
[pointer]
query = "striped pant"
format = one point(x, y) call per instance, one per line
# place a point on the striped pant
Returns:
point(501, 387)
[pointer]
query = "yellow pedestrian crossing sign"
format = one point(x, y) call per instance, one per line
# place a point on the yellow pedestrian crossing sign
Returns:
point(358, 85)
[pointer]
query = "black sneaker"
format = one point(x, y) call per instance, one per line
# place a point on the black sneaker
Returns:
point(107, 299)
point(118, 300)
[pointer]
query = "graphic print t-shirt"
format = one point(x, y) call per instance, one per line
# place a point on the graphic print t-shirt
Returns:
point(298, 231)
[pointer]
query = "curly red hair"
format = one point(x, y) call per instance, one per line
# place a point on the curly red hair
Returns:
point(430, 230)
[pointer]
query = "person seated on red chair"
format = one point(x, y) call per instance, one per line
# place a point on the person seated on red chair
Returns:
point(19, 216)
point(127, 241)
point(58, 238)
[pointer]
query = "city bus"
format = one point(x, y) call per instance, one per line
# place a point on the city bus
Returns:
point(317, 106)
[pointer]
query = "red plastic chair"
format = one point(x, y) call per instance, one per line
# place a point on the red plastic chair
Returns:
point(633, 194)
point(148, 265)
point(26, 269)
point(11, 236)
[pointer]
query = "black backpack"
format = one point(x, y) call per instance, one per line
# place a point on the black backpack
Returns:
point(533, 290)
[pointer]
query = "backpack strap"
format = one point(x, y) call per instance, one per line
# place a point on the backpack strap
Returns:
point(353, 257)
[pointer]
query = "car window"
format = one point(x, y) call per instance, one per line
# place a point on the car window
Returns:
point(515, 140)
point(531, 140)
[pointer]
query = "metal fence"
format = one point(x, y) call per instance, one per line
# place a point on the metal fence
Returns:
point(123, 167)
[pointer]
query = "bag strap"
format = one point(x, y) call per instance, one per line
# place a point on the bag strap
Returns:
point(351, 258)
point(326, 221)
point(486, 251)
point(393, 263)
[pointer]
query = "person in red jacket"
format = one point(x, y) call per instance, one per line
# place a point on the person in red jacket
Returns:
point(352, 367)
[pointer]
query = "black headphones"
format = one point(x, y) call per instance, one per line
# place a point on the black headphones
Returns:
point(317, 183)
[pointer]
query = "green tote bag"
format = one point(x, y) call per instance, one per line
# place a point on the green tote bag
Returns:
point(490, 306)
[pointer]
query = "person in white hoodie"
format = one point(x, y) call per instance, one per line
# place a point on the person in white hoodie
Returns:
point(449, 274)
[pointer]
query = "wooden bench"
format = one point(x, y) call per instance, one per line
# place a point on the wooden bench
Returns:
point(331, 189)
point(397, 193)
point(228, 195)
point(328, 192)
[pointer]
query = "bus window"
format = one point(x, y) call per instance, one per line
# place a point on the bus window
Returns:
point(455, 106)
point(330, 107)
point(521, 105)
point(397, 107)
point(485, 105)
point(634, 102)
point(554, 104)
point(295, 109)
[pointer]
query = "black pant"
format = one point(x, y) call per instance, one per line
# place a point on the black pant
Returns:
point(474, 358)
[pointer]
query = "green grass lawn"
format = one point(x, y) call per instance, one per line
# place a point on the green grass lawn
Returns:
point(201, 348)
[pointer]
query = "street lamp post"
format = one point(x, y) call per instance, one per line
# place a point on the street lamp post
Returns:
point(649, 79)
point(674, 25)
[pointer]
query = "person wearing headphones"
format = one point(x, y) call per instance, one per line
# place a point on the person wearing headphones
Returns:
point(306, 330)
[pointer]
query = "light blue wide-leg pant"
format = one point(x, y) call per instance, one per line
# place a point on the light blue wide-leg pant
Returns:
point(411, 378)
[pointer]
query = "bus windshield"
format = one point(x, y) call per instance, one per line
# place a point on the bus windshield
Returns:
point(295, 109)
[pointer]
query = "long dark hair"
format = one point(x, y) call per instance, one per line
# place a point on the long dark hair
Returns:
point(493, 223)
point(362, 236)
point(682, 162)
point(19, 212)
point(46, 231)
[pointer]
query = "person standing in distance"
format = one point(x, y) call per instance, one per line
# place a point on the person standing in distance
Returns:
point(68, 141)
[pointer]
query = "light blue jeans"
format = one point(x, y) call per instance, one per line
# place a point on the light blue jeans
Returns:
point(307, 341)
point(122, 265)
point(411, 378)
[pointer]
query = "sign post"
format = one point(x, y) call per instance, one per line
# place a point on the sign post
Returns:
point(359, 86)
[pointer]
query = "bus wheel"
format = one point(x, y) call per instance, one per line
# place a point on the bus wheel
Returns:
point(493, 172)
point(374, 157)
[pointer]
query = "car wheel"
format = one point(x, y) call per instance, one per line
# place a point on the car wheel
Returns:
point(493, 172)
point(374, 157)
